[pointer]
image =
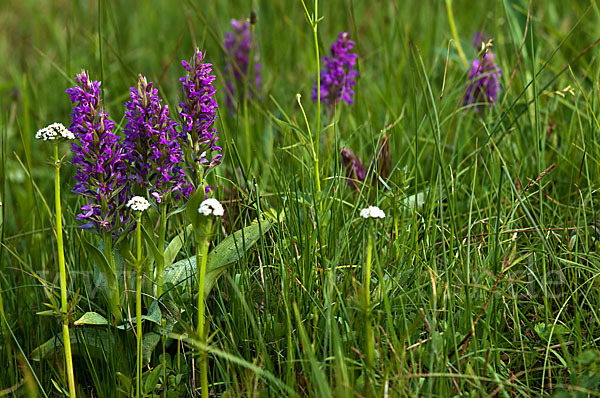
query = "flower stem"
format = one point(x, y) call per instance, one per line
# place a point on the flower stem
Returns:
point(369, 344)
point(461, 54)
point(201, 260)
point(160, 261)
point(63, 276)
point(318, 132)
point(113, 285)
point(138, 303)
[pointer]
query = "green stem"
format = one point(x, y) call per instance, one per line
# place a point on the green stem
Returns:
point(201, 260)
point(160, 261)
point(369, 347)
point(461, 54)
point(313, 147)
point(63, 276)
point(318, 132)
point(247, 132)
point(113, 284)
point(138, 304)
point(5, 336)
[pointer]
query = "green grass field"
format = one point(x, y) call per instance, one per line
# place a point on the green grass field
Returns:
point(483, 275)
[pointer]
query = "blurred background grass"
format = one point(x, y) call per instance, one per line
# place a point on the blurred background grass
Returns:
point(437, 284)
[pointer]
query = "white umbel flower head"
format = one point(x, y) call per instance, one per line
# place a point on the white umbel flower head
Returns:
point(211, 207)
point(138, 203)
point(55, 131)
point(372, 212)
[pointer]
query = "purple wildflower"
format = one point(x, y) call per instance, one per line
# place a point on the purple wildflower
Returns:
point(353, 166)
point(153, 144)
point(338, 76)
point(379, 167)
point(198, 110)
point(238, 45)
point(484, 77)
point(101, 168)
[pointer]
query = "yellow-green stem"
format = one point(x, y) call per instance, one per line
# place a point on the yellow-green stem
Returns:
point(461, 54)
point(138, 304)
point(160, 261)
point(370, 347)
point(63, 276)
point(318, 132)
point(201, 259)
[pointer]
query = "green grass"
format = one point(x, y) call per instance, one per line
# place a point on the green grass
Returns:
point(488, 287)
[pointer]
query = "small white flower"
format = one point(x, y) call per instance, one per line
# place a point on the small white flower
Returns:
point(55, 131)
point(211, 207)
point(372, 212)
point(138, 203)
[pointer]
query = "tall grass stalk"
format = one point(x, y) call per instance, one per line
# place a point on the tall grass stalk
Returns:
point(63, 276)
point(138, 302)
point(369, 343)
point(202, 242)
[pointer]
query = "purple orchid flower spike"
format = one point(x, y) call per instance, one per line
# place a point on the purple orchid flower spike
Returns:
point(239, 52)
point(198, 112)
point(101, 162)
point(339, 75)
point(154, 145)
point(484, 77)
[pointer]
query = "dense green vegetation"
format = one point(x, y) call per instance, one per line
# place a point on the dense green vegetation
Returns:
point(484, 272)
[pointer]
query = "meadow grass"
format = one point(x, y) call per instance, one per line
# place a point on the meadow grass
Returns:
point(483, 275)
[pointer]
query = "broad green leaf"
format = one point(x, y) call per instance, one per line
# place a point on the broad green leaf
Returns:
point(192, 207)
point(92, 340)
point(220, 258)
point(125, 382)
point(101, 262)
point(150, 241)
point(149, 342)
point(153, 314)
point(175, 245)
point(152, 379)
point(168, 311)
point(91, 318)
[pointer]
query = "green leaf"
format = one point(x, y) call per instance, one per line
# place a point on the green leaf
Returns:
point(91, 318)
point(85, 340)
point(192, 207)
point(149, 342)
point(149, 239)
point(102, 264)
point(546, 332)
point(414, 202)
point(587, 357)
point(168, 312)
point(220, 258)
point(152, 379)
point(175, 245)
point(125, 382)
point(154, 315)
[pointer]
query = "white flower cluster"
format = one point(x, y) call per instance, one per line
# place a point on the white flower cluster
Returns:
point(211, 207)
point(55, 131)
point(138, 203)
point(372, 212)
